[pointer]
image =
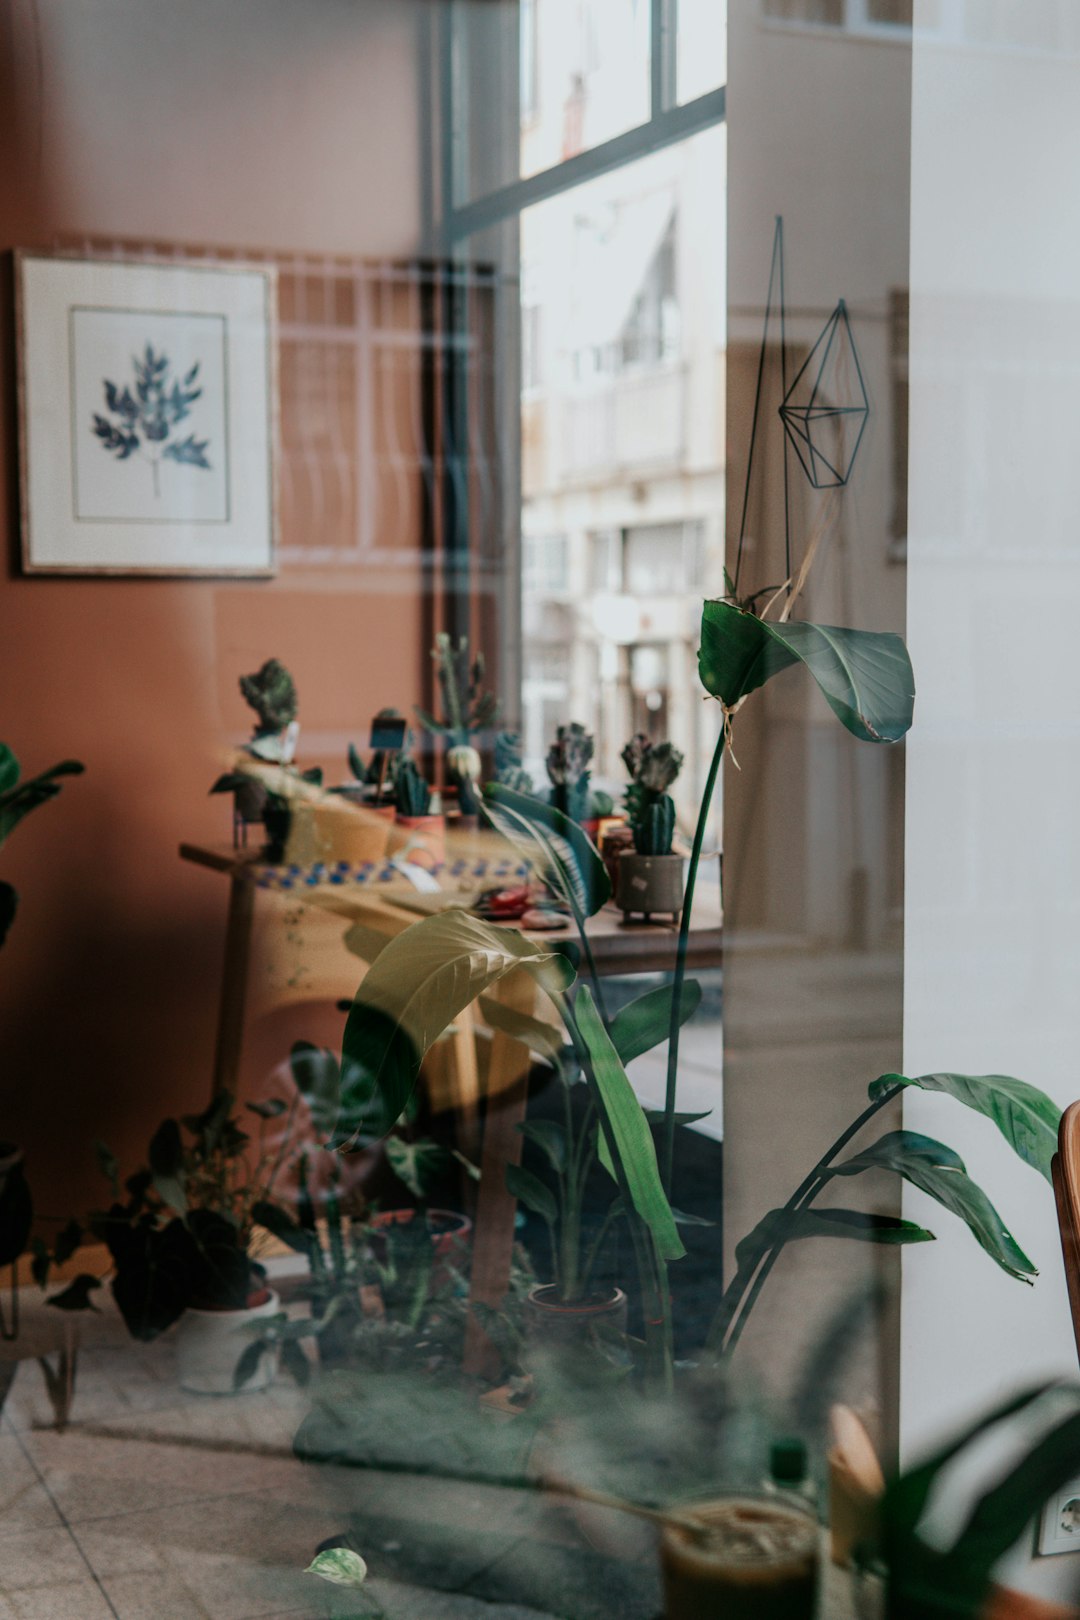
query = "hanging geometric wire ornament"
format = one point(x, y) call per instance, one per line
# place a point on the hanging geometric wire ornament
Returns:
point(825, 410)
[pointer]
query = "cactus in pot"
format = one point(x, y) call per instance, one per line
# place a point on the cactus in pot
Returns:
point(412, 796)
point(568, 761)
point(651, 878)
point(469, 711)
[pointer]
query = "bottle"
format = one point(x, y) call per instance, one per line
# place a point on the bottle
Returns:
point(789, 1473)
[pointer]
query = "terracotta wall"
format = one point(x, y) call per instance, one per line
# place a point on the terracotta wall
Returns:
point(269, 127)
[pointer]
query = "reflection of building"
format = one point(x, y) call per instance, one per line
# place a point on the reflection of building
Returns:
point(622, 451)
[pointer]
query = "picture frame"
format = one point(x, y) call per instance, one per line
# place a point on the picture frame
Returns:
point(147, 416)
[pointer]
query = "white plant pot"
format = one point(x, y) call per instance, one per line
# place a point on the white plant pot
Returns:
point(210, 1343)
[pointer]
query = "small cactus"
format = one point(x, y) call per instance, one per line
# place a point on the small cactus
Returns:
point(411, 793)
point(271, 692)
point(654, 830)
point(568, 770)
point(508, 768)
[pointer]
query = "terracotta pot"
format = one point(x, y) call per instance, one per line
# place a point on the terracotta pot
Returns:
point(1007, 1605)
point(551, 1324)
point(428, 837)
point(210, 1343)
point(649, 883)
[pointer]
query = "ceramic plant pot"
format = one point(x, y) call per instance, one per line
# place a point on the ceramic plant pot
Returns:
point(552, 1325)
point(210, 1343)
point(649, 884)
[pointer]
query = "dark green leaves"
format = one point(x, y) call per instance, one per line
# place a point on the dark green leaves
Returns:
point(630, 1132)
point(646, 1022)
point(317, 1078)
point(18, 799)
point(166, 1158)
point(418, 1164)
point(865, 677)
point(420, 983)
point(939, 1172)
point(76, 1296)
point(530, 1191)
point(787, 1225)
point(1026, 1117)
point(563, 856)
point(550, 1137)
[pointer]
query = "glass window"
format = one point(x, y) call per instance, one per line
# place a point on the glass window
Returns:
point(831, 13)
point(701, 54)
point(587, 63)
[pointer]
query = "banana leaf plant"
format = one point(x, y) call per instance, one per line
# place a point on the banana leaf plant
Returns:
point(1025, 1116)
point(422, 980)
point(865, 677)
point(925, 1582)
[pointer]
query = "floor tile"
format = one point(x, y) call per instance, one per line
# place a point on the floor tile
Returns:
point(74, 1600)
point(39, 1558)
point(24, 1501)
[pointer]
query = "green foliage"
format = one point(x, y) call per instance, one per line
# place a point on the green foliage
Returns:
point(865, 677)
point(654, 827)
point(412, 796)
point(1026, 1117)
point(568, 771)
point(418, 985)
point(271, 692)
point(644, 1022)
point(467, 708)
point(930, 1582)
point(508, 767)
point(17, 799)
point(554, 845)
point(339, 1565)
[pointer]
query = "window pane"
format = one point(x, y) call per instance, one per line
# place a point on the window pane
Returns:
point(584, 75)
point(701, 59)
point(627, 273)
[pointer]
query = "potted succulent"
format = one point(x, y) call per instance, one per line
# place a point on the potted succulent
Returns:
point(424, 834)
point(469, 712)
point(508, 767)
point(650, 878)
point(178, 1232)
point(264, 785)
point(568, 761)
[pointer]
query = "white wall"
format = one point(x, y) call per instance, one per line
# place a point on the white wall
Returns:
point(992, 906)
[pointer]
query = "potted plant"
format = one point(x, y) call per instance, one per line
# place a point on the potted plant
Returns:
point(264, 784)
point(651, 878)
point(469, 711)
point(179, 1231)
point(926, 1582)
point(568, 761)
point(424, 834)
point(508, 767)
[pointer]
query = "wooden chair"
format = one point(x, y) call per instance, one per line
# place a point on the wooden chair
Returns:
point(1066, 1173)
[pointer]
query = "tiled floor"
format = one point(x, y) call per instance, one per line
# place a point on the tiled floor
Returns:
point(152, 1506)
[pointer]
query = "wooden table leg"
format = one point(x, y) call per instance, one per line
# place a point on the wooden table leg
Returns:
point(234, 974)
point(493, 1242)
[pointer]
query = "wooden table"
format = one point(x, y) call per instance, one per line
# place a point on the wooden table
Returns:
point(387, 909)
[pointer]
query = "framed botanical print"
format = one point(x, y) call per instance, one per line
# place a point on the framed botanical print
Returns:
point(146, 416)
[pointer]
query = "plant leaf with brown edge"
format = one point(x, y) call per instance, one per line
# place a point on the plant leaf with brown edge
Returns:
point(865, 676)
point(939, 1172)
point(632, 1134)
point(1026, 1117)
point(420, 983)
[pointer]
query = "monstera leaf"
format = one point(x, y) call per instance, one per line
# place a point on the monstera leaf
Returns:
point(561, 852)
point(1026, 1117)
point(419, 984)
point(865, 676)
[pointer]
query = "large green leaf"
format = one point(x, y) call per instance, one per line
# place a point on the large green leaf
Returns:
point(539, 1037)
point(530, 1191)
point(1004, 1513)
point(789, 1225)
point(556, 846)
point(630, 1130)
point(419, 984)
point(936, 1170)
point(1026, 1117)
point(647, 1021)
point(418, 1164)
point(864, 675)
point(550, 1137)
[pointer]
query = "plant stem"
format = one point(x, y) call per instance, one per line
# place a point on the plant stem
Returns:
point(730, 1321)
point(667, 1158)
